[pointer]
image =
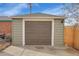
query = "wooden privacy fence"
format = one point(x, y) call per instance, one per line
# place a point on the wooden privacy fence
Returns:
point(68, 35)
point(71, 36)
point(76, 36)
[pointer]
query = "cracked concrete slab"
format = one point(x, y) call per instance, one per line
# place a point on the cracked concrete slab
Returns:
point(34, 51)
point(5, 54)
point(13, 50)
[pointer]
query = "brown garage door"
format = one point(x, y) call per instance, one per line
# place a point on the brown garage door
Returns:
point(38, 32)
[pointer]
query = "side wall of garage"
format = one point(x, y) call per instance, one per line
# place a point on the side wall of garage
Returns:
point(58, 33)
point(17, 32)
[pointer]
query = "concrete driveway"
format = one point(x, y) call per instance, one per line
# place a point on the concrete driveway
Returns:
point(38, 51)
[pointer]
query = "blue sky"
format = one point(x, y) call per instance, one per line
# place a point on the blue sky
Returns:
point(11, 9)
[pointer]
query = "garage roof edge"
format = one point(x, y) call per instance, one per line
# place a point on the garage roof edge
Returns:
point(38, 16)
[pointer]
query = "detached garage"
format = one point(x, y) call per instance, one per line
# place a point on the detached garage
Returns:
point(38, 29)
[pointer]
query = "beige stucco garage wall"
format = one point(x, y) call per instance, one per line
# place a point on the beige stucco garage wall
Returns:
point(17, 32)
point(58, 33)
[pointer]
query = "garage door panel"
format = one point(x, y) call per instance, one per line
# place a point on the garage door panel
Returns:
point(38, 41)
point(38, 32)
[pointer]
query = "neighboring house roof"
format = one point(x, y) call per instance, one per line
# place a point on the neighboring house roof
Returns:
point(38, 15)
point(5, 18)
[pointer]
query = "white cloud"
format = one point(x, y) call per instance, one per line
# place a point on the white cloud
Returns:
point(14, 11)
point(54, 11)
